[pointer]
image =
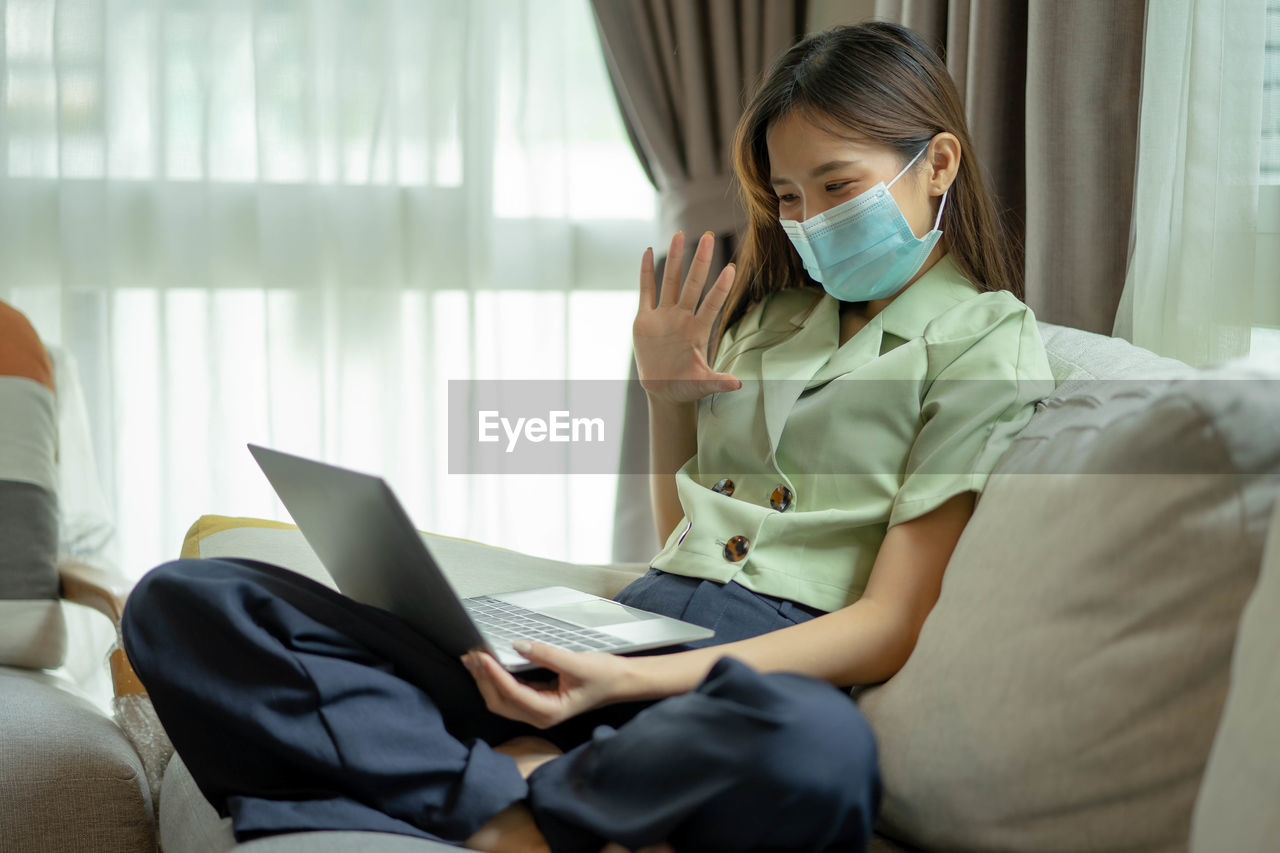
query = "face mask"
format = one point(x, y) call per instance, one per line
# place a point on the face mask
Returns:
point(863, 248)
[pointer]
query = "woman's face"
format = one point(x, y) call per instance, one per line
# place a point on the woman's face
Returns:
point(812, 171)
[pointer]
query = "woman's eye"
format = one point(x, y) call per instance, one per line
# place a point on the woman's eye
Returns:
point(788, 198)
point(835, 188)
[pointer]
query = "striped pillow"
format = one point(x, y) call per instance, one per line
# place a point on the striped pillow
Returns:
point(32, 631)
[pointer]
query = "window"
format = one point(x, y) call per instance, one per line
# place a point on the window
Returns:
point(293, 221)
point(1266, 338)
point(1271, 99)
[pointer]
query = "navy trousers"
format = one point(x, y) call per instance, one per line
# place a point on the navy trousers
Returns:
point(296, 708)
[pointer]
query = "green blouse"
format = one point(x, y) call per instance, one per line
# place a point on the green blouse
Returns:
point(801, 472)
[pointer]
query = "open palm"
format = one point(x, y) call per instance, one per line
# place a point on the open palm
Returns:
point(670, 337)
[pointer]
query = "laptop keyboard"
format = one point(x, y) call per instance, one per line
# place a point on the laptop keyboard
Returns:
point(502, 622)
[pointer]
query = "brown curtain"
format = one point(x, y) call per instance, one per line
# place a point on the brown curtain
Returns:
point(1051, 90)
point(679, 70)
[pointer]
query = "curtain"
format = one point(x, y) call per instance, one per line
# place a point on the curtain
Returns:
point(1051, 93)
point(1189, 292)
point(294, 221)
point(681, 72)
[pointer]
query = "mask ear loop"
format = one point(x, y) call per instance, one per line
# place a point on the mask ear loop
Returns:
point(908, 166)
point(942, 205)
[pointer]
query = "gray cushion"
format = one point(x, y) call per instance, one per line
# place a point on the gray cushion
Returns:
point(188, 824)
point(32, 630)
point(1236, 809)
point(1064, 691)
point(1077, 356)
point(71, 781)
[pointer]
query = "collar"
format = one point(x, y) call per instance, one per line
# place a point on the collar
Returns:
point(906, 315)
point(943, 286)
point(806, 323)
point(785, 312)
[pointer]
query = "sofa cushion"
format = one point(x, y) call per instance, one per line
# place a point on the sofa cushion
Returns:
point(1064, 691)
point(1077, 357)
point(472, 568)
point(1236, 809)
point(32, 629)
point(188, 824)
point(71, 781)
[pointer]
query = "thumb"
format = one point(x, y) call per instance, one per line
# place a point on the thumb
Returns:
point(552, 657)
point(728, 381)
point(719, 383)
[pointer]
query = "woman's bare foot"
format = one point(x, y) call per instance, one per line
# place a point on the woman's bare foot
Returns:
point(511, 830)
point(529, 752)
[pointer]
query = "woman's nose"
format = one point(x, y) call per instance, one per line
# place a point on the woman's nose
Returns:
point(810, 209)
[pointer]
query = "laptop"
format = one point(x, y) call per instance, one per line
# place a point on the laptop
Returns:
point(364, 538)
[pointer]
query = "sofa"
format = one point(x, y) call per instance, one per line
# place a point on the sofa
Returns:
point(1099, 672)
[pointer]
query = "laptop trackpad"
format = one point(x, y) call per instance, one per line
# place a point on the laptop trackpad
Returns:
point(595, 614)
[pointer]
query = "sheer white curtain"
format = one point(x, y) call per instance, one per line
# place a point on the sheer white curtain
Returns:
point(293, 221)
point(1193, 287)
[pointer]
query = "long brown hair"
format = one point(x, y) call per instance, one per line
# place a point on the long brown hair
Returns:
point(879, 82)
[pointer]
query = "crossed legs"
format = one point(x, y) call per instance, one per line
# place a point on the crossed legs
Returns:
point(296, 708)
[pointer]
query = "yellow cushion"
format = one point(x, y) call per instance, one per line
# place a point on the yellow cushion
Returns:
point(472, 568)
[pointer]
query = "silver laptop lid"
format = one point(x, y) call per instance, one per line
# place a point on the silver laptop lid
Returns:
point(366, 540)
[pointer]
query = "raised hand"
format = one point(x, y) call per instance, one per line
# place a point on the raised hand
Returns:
point(670, 338)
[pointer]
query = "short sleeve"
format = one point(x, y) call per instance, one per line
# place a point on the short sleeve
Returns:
point(987, 370)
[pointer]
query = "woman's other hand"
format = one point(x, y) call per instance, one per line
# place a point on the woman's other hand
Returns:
point(670, 338)
point(584, 680)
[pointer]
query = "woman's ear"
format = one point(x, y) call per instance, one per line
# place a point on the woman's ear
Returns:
point(943, 162)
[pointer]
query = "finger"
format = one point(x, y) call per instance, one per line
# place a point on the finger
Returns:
point(718, 383)
point(502, 693)
point(698, 270)
point(646, 280)
point(673, 270)
point(521, 701)
point(716, 296)
point(722, 383)
point(492, 699)
point(552, 657)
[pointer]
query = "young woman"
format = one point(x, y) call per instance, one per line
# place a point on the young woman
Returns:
point(808, 520)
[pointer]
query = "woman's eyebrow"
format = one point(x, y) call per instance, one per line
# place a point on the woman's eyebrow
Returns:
point(831, 167)
point(817, 172)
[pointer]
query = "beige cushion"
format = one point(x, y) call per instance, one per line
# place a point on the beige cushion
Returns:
point(1064, 692)
point(69, 779)
point(1239, 804)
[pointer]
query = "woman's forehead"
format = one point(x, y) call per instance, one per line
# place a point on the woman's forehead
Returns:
point(797, 145)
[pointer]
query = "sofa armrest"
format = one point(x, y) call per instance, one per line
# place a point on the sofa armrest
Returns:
point(93, 587)
point(104, 592)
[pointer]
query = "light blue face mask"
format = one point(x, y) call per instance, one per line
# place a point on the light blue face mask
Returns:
point(863, 248)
